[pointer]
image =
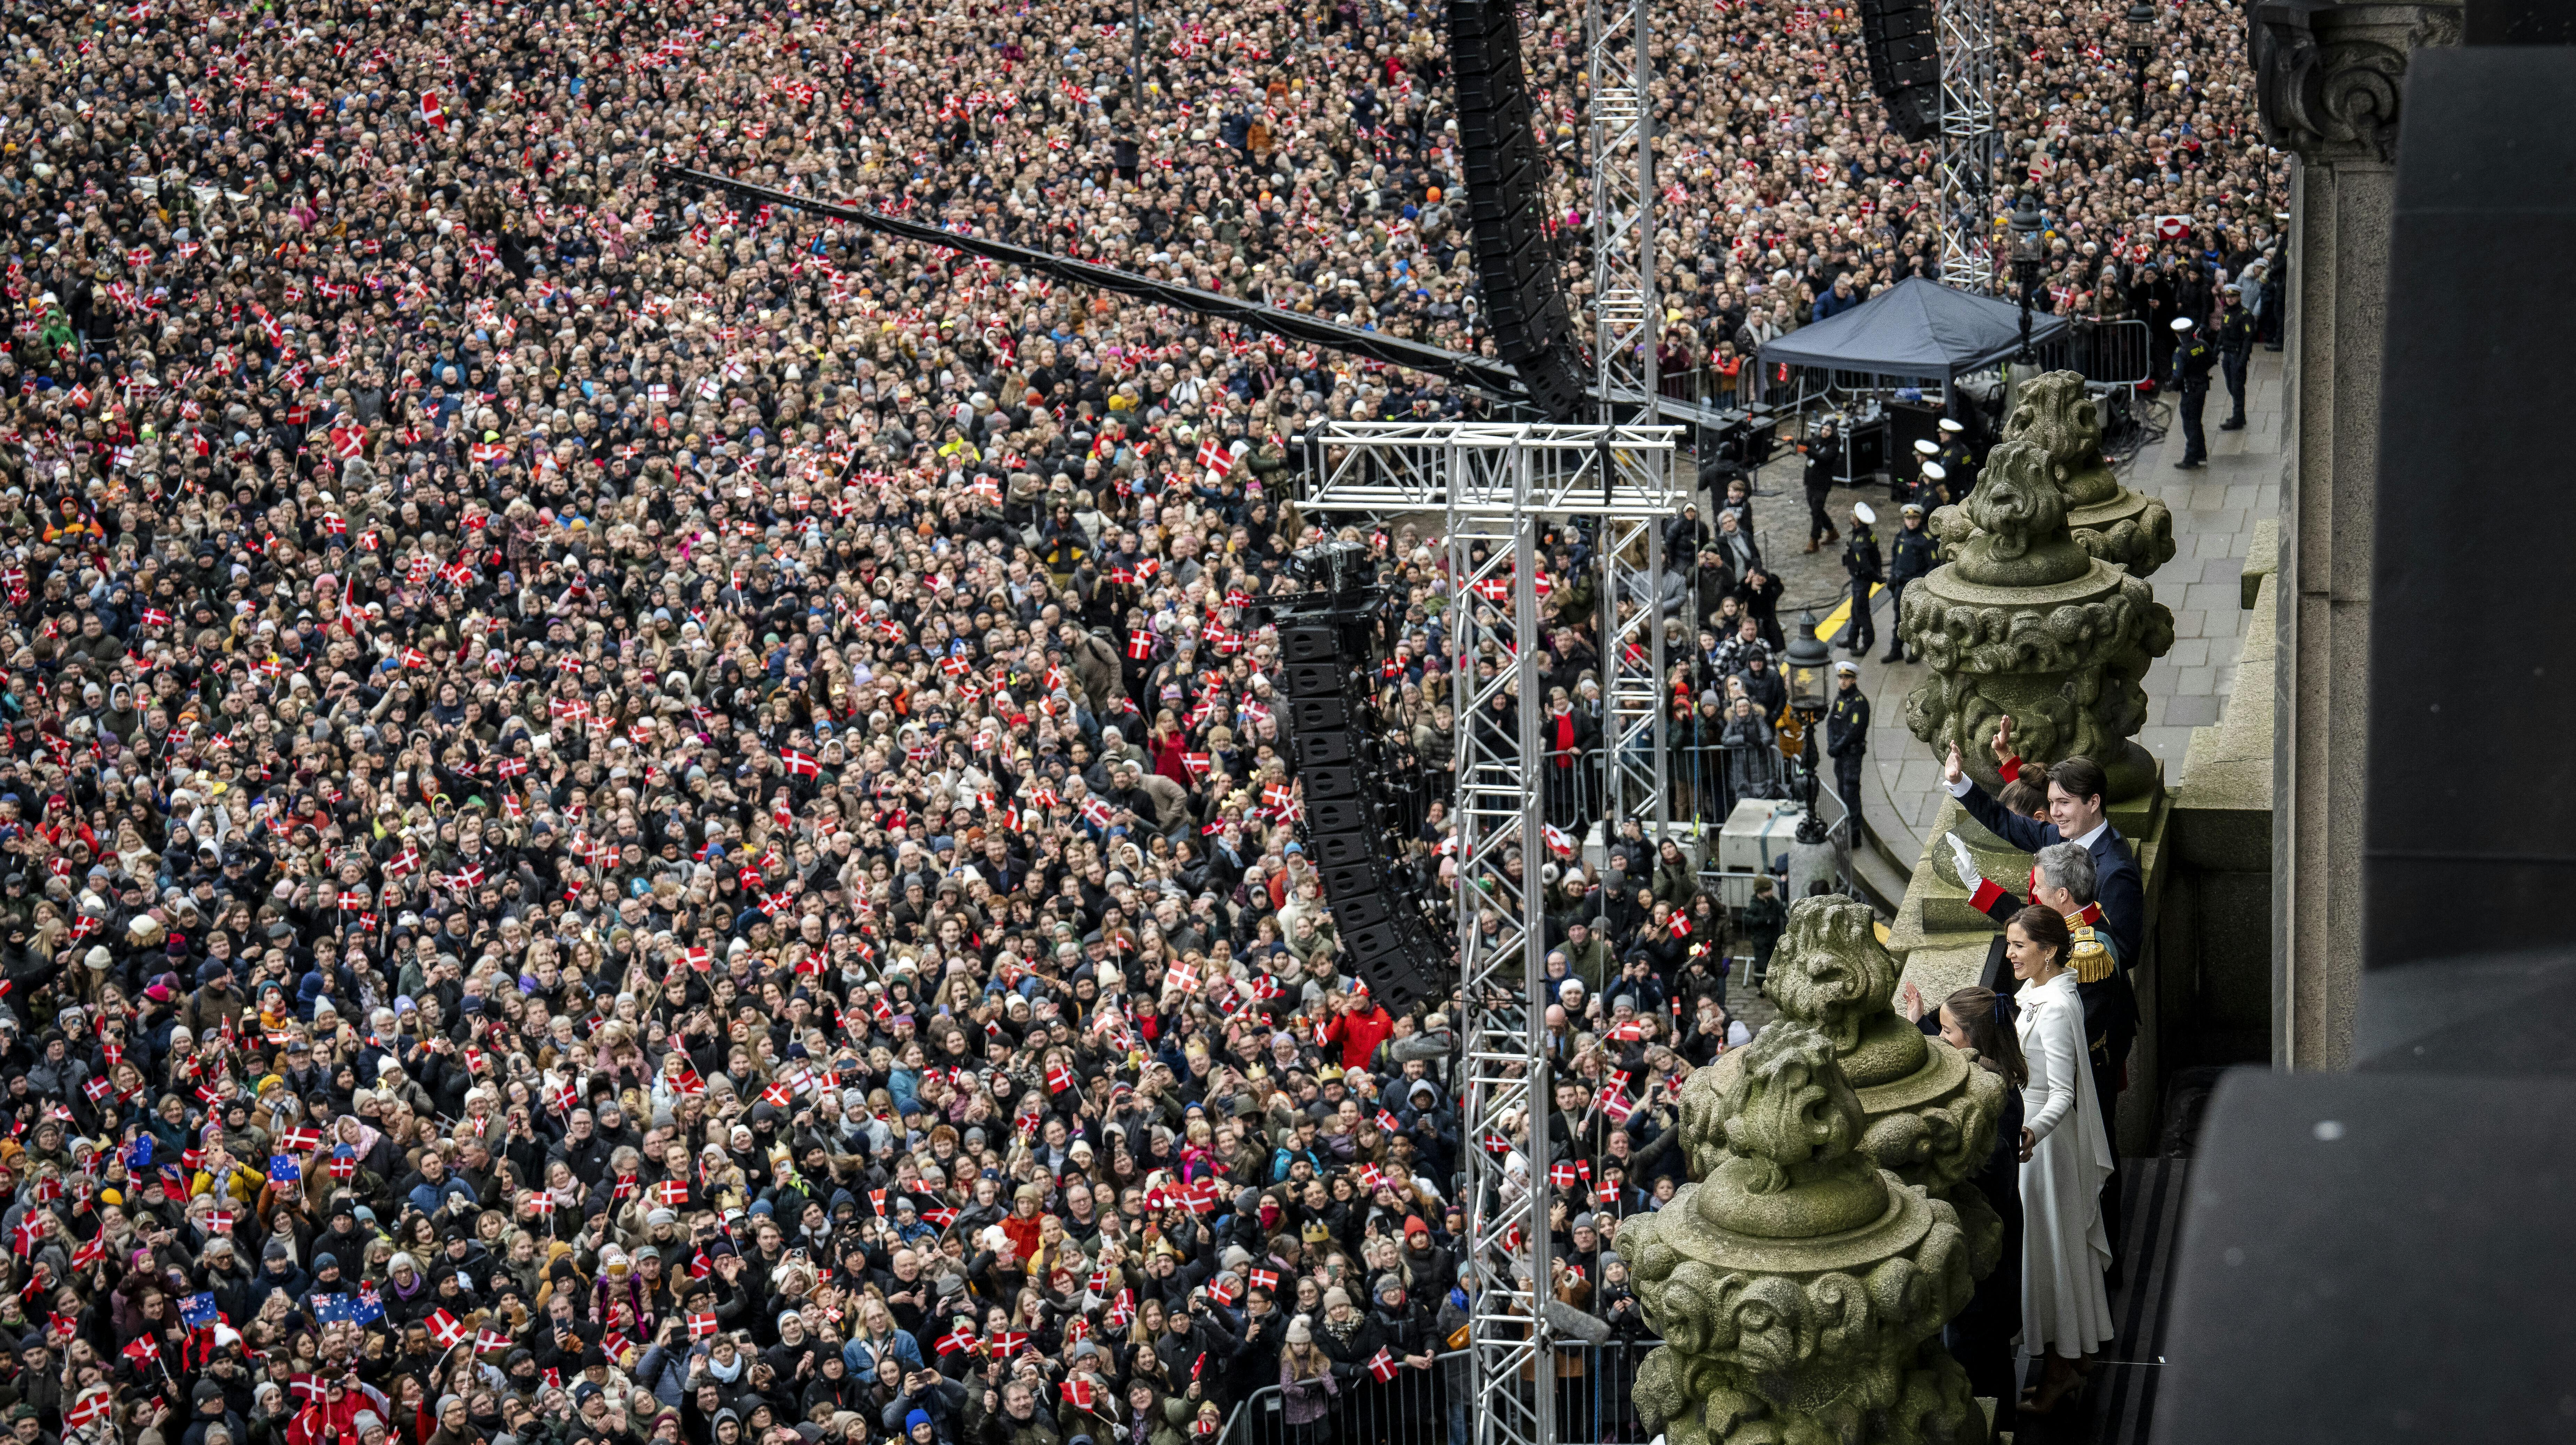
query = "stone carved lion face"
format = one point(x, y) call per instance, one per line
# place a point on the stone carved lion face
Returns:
point(1830, 970)
point(2057, 413)
point(2016, 499)
point(1788, 1104)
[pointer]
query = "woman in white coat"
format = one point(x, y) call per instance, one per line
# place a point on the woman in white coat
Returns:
point(2066, 1154)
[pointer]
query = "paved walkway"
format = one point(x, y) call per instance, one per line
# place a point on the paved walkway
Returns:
point(2215, 511)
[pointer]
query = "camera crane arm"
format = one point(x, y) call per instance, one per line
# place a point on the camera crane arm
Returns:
point(1496, 378)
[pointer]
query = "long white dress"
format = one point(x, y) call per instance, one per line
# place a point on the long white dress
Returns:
point(2065, 1251)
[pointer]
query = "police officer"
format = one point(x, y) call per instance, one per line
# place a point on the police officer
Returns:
point(1824, 458)
point(1910, 555)
point(2235, 348)
point(2189, 381)
point(1860, 559)
point(1932, 488)
point(1847, 737)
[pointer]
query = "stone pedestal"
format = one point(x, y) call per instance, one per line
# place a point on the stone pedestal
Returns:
point(1799, 1287)
point(2026, 622)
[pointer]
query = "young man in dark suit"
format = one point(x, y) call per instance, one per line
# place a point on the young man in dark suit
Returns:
point(2078, 797)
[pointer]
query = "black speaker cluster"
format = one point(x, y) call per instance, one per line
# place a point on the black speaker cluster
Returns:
point(1904, 63)
point(1335, 747)
point(1515, 263)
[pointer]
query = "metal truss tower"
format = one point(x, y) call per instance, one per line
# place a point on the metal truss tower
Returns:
point(1495, 485)
point(1627, 326)
point(1965, 30)
point(1626, 321)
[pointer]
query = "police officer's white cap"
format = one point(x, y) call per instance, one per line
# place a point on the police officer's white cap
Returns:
point(1914, 509)
point(1862, 511)
point(2182, 323)
point(1935, 472)
point(2233, 288)
point(1846, 669)
point(1927, 446)
point(1948, 425)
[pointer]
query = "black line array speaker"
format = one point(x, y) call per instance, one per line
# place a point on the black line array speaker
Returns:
point(1506, 167)
point(1904, 63)
point(1326, 686)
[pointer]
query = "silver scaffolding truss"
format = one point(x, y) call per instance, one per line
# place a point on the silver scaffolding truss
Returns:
point(1388, 468)
point(1493, 485)
point(1965, 31)
point(1626, 320)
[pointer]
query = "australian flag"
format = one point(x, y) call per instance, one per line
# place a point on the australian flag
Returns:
point(282, 1169)
point(138, 1155)
point(197, 1311)
point(334, 1309)
point(369, 1308)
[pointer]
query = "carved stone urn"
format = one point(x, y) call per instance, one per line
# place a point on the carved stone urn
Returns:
point(2025, 622)
point(1799, 1288)
point(1928, 1114)
point(2105, 518)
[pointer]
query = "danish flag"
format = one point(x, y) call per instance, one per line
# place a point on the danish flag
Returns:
point(94, 1404)
point(1382, 1365)
point(702, 1325)
point(1216, 456)
point(799, 765)
point(444, 1329)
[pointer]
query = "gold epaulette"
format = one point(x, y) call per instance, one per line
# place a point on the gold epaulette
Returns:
point(2092, 961)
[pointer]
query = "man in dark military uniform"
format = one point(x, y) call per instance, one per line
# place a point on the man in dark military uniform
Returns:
point(1956, 460)
point(1861, 561)
point(1847, 737)
point(2189, 381)
point(1824, 458)
point(1911, 553)
point(2235, 348)
point(1901, 488)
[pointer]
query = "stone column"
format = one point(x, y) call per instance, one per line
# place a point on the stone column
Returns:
point(2329, 78)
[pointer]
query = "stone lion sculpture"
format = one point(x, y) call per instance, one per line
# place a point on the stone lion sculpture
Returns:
point(1799, 1288)
point(2020, 516)
point(2057, 413)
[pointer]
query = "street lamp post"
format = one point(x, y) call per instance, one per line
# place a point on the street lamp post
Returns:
point(2027, 222)
point(2142, 48)
point(1808, 665)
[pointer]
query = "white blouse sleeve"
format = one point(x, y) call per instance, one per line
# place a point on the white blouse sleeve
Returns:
point(2059, 1068)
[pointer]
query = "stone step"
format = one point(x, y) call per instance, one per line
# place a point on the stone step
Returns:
point(1889, 835)
point(1877, 880)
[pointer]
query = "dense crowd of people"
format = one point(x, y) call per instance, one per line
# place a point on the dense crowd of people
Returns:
point(630, 817)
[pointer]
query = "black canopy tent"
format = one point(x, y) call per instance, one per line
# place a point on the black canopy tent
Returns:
point(1915, 333)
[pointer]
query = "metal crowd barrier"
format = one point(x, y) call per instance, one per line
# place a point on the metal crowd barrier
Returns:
point(1595, 1404)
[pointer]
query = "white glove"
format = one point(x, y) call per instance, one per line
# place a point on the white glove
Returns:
point(1969, 877)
